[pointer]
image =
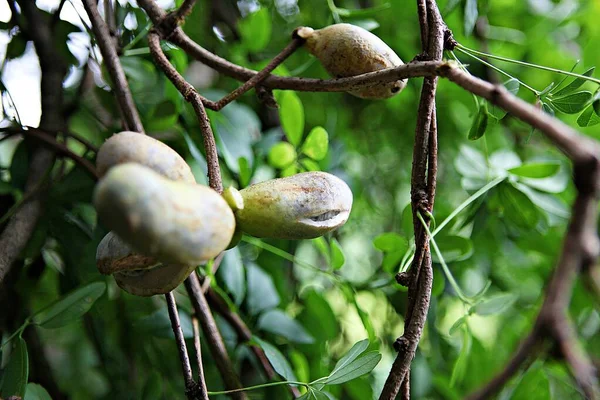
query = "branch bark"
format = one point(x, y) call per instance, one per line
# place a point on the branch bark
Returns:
point(19, 229)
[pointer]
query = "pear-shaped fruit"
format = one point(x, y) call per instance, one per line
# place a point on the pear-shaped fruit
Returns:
point(349, 50)
point(301, 206)
point(135, 147)
point(175, 222)
point(137, 274)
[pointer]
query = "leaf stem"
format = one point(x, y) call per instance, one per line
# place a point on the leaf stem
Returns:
point(263, 385)
point(526, 86)
point(449, 275)
point(530, 65)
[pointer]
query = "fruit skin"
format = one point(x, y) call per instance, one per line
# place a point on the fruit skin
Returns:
point(129, 146)
point(349, 50)
point(175, 222)
point(137, 274)
point(302, 206)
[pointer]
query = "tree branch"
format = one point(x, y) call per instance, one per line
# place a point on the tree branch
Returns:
point(113, 65)
point(213, 337)
point(183, 354)
point(19, 229)
point(423, 184)
point(201, 387)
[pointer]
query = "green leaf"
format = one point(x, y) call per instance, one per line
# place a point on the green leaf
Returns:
point(277, 360)
point(261, 292)
point(71, 307)
point(534, 385)
point(571, 103)
point(517, 207)
point(16, 372)
point(495, 304)
point(153, 389)
point(291, 114)
point(255, 30)
point(471, 163)
point(391, 242)
point(245, 171)
point(575, 84)
point(363, 12)
point(460, 366)
point(36, 392)
point(232, 274)
point(358, 367)
point(470, 16)
point(278, 322)
point(355, 351)
point(290, 170)
point(459, 322)
point(588, 117)
point(537, 170)
point(439, 283)
point(282, 155)
point(310, 165)
point(453, 248)
point(547, 109)
point(315, 145)
point(158, 324)
point(480, 122)
point(337, 254)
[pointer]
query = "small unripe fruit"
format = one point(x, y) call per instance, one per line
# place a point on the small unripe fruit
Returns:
point(348, 50)
point(302, 206)
point(135, 147)
point(176, 222)
point(137, 274)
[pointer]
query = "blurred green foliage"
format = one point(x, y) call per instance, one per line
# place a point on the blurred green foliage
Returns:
point(505, 188)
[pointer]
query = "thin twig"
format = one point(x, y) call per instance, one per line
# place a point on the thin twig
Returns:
point(129, 112)
point(215, 266)
point(244, 334)
point(59, 148)
point(213, 337)
point(183, 354)
point(193, 97)
point(201, 387)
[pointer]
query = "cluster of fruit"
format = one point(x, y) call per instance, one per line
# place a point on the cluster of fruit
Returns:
point(163, 224)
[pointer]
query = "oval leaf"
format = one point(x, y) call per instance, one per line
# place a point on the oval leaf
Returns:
point(359, 367)
point(480, 123)
point(495, 304)
point(575, 84)
point(572, 103)
point(588, 117)
point(536, 170)
point(16, 372)
point(255, 30)
point(36, 392)
point(277, 360)
point(337, 255)
point(291, 114)
point(282, 155)
point(278, 322)
point(71, 307)
point(316, 143)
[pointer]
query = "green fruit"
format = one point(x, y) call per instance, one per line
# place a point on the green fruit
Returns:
point(135, 147)
point(302, 206)
point(175, 222)
point(135, 273)
point(349, 50)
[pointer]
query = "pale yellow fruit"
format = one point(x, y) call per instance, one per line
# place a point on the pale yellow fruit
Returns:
point(135, 147)
point(349, 50)
point(137, 274)
point(301, 206)
point(175, 222)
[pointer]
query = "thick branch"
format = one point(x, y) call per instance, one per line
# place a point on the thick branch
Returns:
point(19, 229)
point(113, 65)
point(423, 184)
